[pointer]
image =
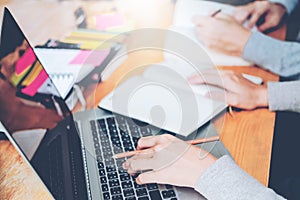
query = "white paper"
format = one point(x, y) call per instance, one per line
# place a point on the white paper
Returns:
point(64, 75)
point(185, 10)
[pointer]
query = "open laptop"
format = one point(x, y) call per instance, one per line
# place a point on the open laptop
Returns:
point(74, 159)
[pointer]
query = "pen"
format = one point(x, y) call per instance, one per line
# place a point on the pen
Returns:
point(192, 142)
point(216, 12)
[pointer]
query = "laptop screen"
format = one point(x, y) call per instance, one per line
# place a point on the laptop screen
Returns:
point(29, 101)
point(20, 66)
point(27, 92)
point(30, 104)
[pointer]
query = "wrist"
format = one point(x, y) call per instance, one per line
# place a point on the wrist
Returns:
point(281, 7)
point(244, 37)
point(288, 5)
point(203, 161)
point(262, 96)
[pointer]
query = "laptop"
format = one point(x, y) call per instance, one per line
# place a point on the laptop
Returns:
point(74, 159)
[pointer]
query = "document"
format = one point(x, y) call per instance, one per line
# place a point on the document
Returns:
point(185, 10)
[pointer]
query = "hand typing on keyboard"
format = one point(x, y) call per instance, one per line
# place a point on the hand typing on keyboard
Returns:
point(115, 135)
point(163, 157)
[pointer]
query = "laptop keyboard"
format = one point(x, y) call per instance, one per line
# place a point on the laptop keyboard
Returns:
point(116, 135)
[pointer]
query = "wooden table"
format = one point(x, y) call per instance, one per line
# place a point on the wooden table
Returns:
point(17, 179)
point(248, 135)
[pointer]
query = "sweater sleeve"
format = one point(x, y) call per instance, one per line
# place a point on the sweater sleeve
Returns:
point(225, 180)
point(277, 56)
point(284, 96)
point(288, 4)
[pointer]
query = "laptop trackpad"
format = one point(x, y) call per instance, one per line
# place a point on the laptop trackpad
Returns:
point(188, 193)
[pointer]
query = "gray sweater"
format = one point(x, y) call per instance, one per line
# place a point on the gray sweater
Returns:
point(282, 58)
point(224, 179)
point(288, 4)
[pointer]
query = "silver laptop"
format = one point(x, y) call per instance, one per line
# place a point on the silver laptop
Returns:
point(74, 159)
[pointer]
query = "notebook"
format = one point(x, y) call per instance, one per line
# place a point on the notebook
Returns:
point(185, 10)
point(69, 66)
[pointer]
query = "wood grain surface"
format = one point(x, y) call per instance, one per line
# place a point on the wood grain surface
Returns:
point(248, 134)
point(17, 179)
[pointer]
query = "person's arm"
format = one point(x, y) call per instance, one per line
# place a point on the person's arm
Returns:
point(288, 4)
point(242, 93)
point(251, 13)
point(273, 12)
point(225, 180)
point(161, 157)
point(220, 33)
point(284, 96)
point(277, 56)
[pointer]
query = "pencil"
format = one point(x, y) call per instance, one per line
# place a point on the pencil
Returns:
point(204, 140)
point(193, 142)
point(230, 111)
point(216, 12)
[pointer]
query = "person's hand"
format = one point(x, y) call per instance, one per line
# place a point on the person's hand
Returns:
point(239, 91)
point(168, 160)
point(222, 33)
point(254, 11)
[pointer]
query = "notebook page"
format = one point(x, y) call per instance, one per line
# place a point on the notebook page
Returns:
point(56, 63)
point(185, 10)
point(68, 66)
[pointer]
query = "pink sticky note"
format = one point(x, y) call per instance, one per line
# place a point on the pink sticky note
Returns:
point(36, 84)
point(26, 60)
point(95, 57)
point(104, 22)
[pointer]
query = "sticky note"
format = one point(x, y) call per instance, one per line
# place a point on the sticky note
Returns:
point(25, 61)
point(95, 57)
point(36, 70)
point(104, 22)
point(36, 84)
